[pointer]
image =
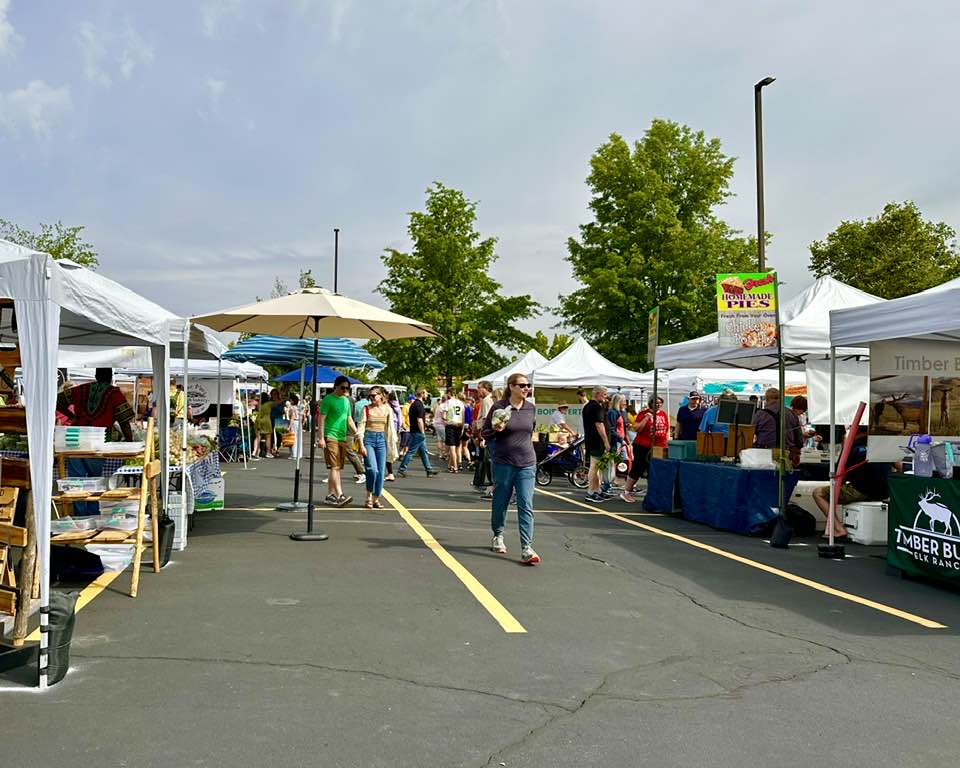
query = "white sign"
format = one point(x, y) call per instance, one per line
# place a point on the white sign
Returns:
point(202, 394)
point(914, 358)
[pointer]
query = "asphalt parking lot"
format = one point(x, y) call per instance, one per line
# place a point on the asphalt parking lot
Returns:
point(641, 639)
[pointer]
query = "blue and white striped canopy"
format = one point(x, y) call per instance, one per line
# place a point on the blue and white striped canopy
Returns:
point(282, 350)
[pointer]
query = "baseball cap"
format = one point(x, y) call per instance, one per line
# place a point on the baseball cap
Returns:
point(694, 393)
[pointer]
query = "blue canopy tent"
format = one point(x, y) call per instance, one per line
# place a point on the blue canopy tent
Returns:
point(324, 377)
point(281, 350)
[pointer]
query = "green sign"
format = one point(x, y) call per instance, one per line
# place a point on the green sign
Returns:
point(923, 522)
point(653, 334)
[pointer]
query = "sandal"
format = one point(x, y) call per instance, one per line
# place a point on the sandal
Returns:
point(370, 504)
point(377, 504)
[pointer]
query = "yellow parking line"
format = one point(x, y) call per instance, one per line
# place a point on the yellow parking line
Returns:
point(929, 624)
point(494, 607)
point(91, 591)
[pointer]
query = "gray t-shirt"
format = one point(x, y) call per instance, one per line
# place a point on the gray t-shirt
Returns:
point(513, 445)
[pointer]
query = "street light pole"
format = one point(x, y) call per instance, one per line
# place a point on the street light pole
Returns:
point(336, 256)
point(758, 120)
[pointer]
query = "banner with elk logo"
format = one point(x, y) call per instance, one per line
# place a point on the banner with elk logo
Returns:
point(924, 527)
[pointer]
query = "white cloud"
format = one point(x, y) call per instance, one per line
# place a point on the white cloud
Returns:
point(8, 35)
point(215, 89)
point(135, 51)
point(94, 55)
point(338, 14)
point(215, 13)
point(35, 109)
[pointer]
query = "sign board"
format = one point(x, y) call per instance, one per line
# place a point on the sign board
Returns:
point(914, 389)
point(653, 335)
point(747, 310)
point(202, 394)
point(923, 522)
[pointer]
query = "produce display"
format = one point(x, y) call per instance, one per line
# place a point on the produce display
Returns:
point(13, 442)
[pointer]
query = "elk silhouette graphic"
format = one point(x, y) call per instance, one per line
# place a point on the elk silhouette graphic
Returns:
point(937, 513)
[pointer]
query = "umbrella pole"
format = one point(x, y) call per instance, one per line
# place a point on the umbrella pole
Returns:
point(310, 534)
point(296, 503)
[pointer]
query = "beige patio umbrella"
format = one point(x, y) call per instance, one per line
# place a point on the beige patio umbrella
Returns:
point(316, 313)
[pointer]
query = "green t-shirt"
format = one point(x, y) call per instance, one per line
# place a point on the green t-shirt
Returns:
point(335, 411)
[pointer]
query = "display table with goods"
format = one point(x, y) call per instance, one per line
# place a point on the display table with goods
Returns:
point(923, 527)
point(122, 517)
point(725, 496)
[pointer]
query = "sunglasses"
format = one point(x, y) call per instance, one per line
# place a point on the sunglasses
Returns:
point(521, 384)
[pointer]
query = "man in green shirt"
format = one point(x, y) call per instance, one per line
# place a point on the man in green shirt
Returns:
point(333, 423)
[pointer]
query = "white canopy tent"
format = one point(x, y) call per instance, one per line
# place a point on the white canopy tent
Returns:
point(527, 364)
point(580, 365)
point(61, 302)
point(136, 362)
point(930, 315)
point(805, 323)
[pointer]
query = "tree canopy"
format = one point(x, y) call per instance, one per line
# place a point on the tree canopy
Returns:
point(655, 241)
point(895, 254)
point(59, 241)
point(444, 280)
point(550, 349)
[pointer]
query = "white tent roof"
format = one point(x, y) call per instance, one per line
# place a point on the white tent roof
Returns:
point(526, 365)
point(580, 365)
point(136, 361)
point(805, 320)
point(930, 315)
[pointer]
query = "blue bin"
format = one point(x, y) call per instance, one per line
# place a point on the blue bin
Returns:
point(685, 450)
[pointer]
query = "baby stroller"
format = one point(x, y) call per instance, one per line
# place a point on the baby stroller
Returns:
point(566, 461)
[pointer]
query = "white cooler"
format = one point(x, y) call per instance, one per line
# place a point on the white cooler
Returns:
point(866, 522)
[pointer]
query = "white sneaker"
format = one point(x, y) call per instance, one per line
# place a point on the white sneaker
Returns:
point(498, 545)
point(360, 479)
point(528, 556)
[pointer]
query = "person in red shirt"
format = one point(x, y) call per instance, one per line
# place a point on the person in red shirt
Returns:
point(98, 404)
point(644, 440)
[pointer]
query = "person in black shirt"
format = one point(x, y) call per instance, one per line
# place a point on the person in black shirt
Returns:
point(596, 439)
point(418, 440)
point(689, 417)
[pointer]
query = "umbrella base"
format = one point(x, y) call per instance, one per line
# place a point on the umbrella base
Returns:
point(309, 536)
point(836, 552)
point(287, 506)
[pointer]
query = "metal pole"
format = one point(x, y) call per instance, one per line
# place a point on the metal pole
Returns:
point(758, 125)
point(832, 512)
point(310, 534)
point(336, 265)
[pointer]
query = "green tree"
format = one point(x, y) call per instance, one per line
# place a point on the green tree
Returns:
point(59, 241)
point(550, 349)
point(655, 241)
point(895, 254)
point(307, 279)
point(444, 281)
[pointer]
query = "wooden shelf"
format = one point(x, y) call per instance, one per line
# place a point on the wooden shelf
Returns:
point(112, 495)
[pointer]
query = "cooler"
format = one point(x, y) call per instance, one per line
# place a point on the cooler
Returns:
point(682, 449)
point(866, 522)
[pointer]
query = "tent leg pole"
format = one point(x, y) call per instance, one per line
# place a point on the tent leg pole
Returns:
point(310, 534)
point(298, 447)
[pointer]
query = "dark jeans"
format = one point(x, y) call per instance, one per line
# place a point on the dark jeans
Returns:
point(418, 444)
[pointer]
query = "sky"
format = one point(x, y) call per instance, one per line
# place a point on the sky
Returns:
point(210, 145)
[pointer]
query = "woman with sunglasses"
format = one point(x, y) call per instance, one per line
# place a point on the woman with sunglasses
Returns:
point(376, 419)
point(514, 464)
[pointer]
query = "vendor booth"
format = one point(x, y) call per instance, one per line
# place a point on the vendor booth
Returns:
point(915, 389)
point(804, 345)
point(61, 302)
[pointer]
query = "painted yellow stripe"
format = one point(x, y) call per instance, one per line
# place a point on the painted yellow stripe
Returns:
point(88, 594)
point(929, 624)
point(494, 607)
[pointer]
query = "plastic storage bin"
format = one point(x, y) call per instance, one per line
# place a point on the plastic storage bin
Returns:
point(866, 522)
point(685, 450)
point(85, 484)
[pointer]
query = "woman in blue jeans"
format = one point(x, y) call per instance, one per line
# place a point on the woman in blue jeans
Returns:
point(514, 464)
point(375, 421)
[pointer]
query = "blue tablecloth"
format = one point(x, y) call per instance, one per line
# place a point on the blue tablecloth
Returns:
point(723, 496)
point(661, 485)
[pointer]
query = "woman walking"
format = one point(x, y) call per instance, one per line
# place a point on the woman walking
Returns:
point(514, 464)
point(645, 441)
point(397, 421)
point(376, 420)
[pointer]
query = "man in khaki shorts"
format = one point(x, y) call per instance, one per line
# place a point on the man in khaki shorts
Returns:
point(334, 422)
